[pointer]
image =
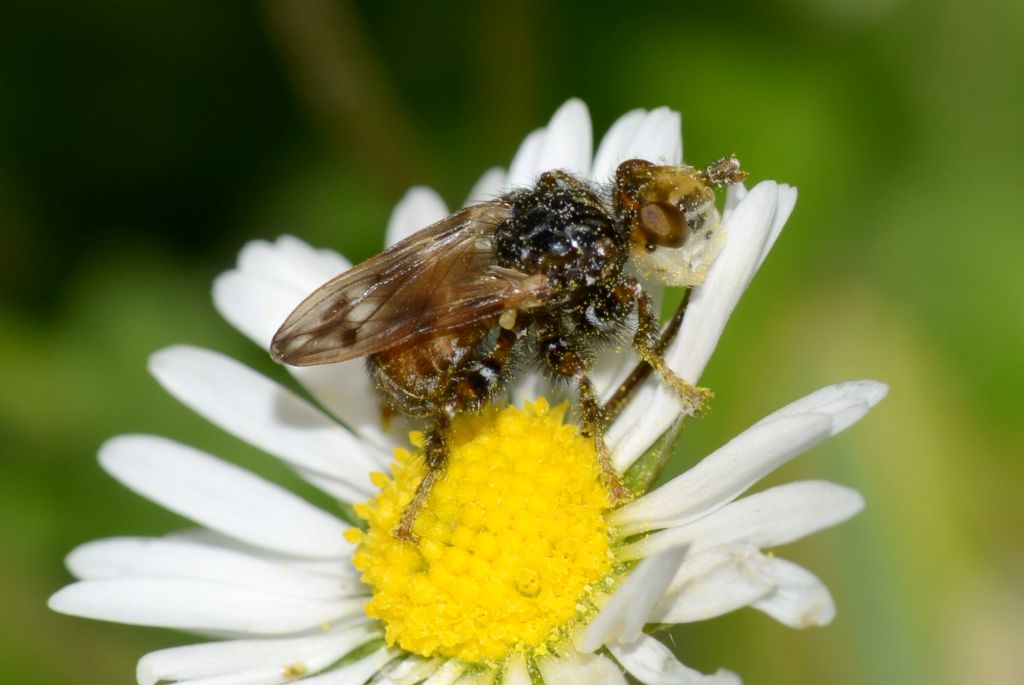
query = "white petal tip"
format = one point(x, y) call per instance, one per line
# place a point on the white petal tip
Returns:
point(858, 503)
point(72, 600)
point(862, 396)
point(56, 601)
point(113, 452)
point(846, 502)
point(145, 674)
point(420, 207)
point(874, 391)
point(573, 107)
point(167, 357)
point(490, 186)
point(219, 285)
point(764, 189)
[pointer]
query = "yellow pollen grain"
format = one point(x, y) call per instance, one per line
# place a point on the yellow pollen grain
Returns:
point(295, 671)
point(511, 541)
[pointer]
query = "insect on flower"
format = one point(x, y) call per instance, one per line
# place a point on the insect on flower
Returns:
point(445, 316)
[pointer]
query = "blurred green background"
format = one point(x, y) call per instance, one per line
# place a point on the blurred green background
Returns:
point(142, 144)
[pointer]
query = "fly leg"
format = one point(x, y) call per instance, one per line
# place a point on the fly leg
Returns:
point(648, 346)
point(594, 424)
point(435, 455)
point(624, 393)
point(474, 382)
point(564, 360)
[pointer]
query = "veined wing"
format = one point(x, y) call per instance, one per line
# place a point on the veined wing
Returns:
point(437, 279)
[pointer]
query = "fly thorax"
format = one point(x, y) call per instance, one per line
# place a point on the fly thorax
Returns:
point(562, 230)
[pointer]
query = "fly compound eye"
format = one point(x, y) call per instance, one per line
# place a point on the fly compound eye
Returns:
point(663, 224)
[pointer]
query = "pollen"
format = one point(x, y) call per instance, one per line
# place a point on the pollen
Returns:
point(512, 541)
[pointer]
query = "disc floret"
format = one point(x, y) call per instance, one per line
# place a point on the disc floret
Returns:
point(512, 543)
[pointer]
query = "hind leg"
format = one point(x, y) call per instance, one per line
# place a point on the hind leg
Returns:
point(472, 385)
point(435, 455)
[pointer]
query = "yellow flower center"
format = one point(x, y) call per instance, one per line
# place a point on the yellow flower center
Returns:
point(512, 540)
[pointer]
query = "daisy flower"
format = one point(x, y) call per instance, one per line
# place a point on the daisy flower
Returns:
point(522, 573)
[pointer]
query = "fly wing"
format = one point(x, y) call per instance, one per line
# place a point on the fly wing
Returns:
point(437, 279)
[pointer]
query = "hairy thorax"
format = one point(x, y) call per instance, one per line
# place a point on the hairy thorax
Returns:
point(561, 229)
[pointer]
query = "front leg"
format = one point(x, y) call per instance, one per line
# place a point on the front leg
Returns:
point(624, 393)
point(648, 345)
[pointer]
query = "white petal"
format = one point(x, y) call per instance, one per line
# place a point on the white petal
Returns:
point(516, 672)
point(476, 678)
point(490, 186)
point(726, 473)
point(651, 412)
point(611, 152)
point(784, 207)
point(658, 139)
point(568, 140)
point(565, 143)
point(291, 262)
point(592, 669)
point(262, 677)
point(612, 365)
point(198, 605)
point(315, 265)
point(727, 579)
point(532, 384)
point(257, 304)
point(844, 403)
point(706, 562)
point(338, 489)
point(263, 413)
point(652, 663)
point(766, 519)
point(523, 169)
point(799, 600)
point(447, 674)
point(252, 656)
point(616, 361)
point(222, 497)
point(341, 572)
point(655, 407)
point(159, 557)
point(723, 475)
point(264, 258)
point(747, 232)
point(356, 673)
point(346, 391)
point(419, 208)
point(623, 616)
point(409, 671)
point(734, 194)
